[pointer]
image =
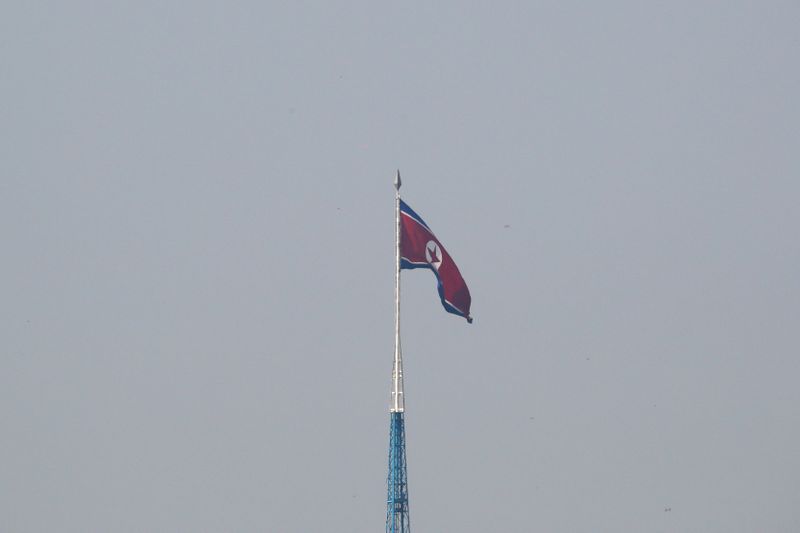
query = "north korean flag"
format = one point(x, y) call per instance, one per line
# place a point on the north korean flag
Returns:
point(419, 248)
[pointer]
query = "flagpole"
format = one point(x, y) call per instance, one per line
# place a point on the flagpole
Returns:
point(397, 516)
point(398, 397)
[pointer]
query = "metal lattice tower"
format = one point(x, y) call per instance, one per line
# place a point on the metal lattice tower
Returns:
point(397, 517)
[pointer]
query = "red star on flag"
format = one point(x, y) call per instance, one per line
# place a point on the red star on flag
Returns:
point(434, 257)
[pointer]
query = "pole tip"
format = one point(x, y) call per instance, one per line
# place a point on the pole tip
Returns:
point(397, 182)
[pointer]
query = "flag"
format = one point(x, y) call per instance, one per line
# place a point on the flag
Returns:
point(419, 248)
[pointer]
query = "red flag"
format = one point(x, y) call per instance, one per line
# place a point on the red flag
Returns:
point(419, 248)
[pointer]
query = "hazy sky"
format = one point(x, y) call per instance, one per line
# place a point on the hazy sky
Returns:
point(196, 284)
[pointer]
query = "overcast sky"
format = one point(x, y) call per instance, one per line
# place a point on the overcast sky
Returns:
point(196, 274)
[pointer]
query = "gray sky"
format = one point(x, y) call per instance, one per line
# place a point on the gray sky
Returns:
point(196, 286)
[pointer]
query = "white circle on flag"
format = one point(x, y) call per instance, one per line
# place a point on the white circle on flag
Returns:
point(433, 254)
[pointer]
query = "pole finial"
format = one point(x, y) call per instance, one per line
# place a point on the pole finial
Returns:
point(397, 182)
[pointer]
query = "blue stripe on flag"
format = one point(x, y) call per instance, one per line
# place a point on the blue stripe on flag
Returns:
point(410, 212)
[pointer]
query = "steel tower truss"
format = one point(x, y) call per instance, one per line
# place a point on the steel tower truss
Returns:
point(397, 517)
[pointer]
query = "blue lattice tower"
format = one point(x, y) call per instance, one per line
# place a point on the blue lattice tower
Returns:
point(397, 517)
